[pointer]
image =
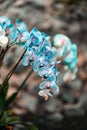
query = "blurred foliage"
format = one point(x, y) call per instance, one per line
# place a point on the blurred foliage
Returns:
point(8, 119)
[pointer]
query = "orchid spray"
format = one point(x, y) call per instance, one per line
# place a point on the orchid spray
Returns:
point(39, 54)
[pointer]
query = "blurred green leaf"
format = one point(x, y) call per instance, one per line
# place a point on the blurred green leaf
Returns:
point(6, 114)
point(2, 103)
point(29, 126)
point(2, 118)
point(9, 111)
point(11, 99)
point(13, 120)
point(9, 120)
point(3, 93)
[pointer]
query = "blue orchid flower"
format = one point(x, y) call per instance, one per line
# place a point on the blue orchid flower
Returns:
point(19, 37)
point(35, 38)
point(48, 89)
point(49, 73)
point(63, 44)
point(19, 34)
point(23, 38)
point(13, 36)
point(49, 76)
point(41, 61)
point(71, 57)
point(41, 48)
point(48, 84)
point(44, 44)
point(5, 22)
point(29, 57)
point(21, 26)
point(49, 52)
point(61, 40)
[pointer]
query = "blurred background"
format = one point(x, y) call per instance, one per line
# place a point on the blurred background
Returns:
point(68, 110)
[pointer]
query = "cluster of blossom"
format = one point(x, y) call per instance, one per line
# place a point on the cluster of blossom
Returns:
point(68, 51)
point(11, 33)
point(39, 52)
point(42, 56)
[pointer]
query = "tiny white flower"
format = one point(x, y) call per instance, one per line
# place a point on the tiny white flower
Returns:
point(44, 93)
point(68, 76)
point(61, 40)
point(65, 67)
point(3, 38)
point(2, 32)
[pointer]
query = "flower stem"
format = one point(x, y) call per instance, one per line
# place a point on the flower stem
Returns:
point(2, 54)
point(14, 95)
point(28, 75)
point(14, 68)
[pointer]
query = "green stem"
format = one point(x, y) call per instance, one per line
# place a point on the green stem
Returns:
point(14, 95)
point(14, 68)
point(28, 75)
point(2, 54)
